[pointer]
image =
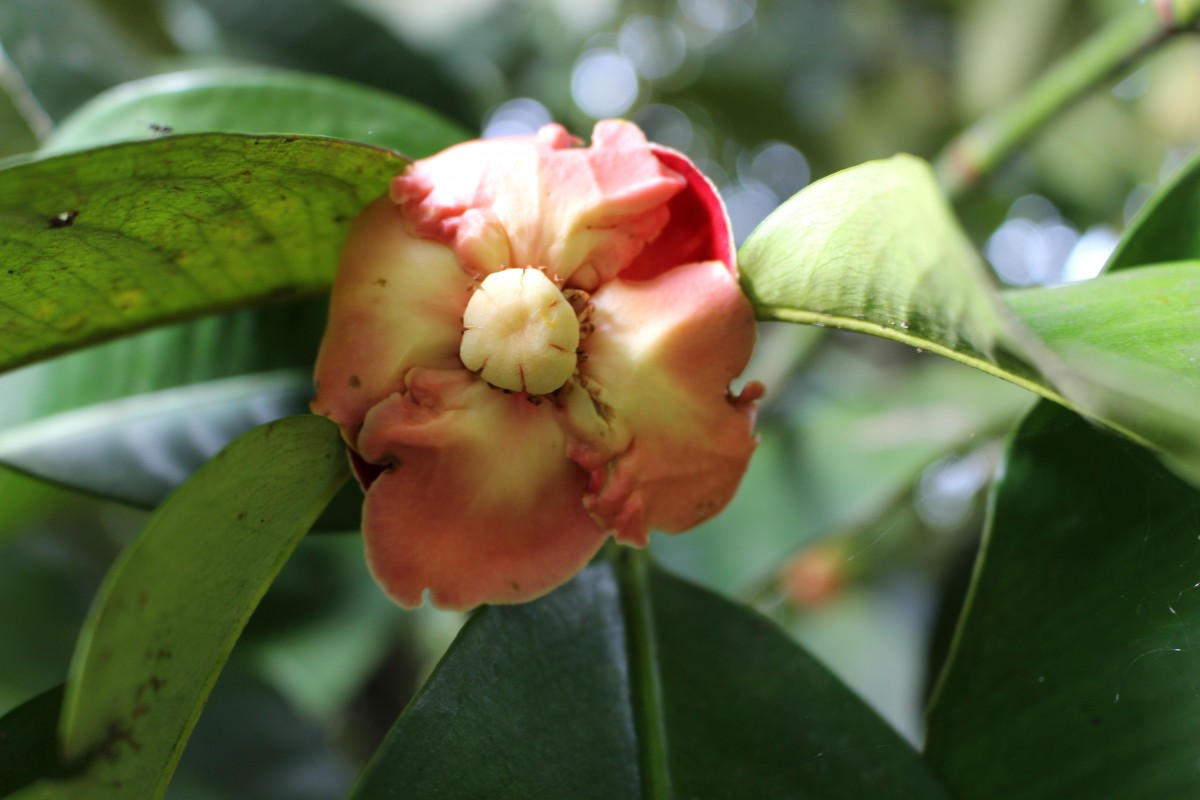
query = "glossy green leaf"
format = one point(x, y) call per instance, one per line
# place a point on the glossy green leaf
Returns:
point(255, 101)
point(1166, 229)
point(875, 249)
point(1073, 672)
point(77, 420)
point(173, 605)
point(28, 741)
point(101, 243)
point(628, 682)
point(139, 448)
point(148, 373)
point(1134, 338)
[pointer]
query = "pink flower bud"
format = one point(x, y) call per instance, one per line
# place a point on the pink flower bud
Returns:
point(530, 346)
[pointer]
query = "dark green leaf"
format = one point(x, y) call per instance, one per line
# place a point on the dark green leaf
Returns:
point(255, 101)
point(1073, 672)
point(29, 741)
point(628, 682)
point(173, 605)
point(1166, 228)
point(102, 243)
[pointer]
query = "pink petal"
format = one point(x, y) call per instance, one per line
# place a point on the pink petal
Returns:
point(397, 302)
point(583, 213)
point(698, 229)
point(480, 504)
point(662, 358)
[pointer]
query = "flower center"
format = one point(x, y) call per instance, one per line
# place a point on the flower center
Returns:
point(521, 333)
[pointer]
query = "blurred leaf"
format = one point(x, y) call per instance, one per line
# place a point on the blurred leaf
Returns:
point(171, 608)
point(102, 243)
point(1166, 229)
point(50, 570)
point(323, 628)
point(16, 131)
point(1072, 673)
point(139, 448)
point(28, 741)
point(255, 101)
point(875, 249)
point(628, 682)
point(142, 20)
point(1002, 45)
point(68, 50)
point(332, 37)
point(252, 744)
point(76, 420)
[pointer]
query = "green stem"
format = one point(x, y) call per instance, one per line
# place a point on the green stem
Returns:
point(633, 576)
point(985, 145)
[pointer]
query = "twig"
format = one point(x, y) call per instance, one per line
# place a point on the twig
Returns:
point(980, 149)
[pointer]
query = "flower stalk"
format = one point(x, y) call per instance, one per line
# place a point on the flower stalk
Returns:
point(983, 147)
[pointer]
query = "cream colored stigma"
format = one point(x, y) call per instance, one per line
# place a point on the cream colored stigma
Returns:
point(521, 333)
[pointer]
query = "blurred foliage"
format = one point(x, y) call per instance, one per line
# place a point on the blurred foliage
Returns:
point(765, 96)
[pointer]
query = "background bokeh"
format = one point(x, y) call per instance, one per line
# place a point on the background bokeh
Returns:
point(857, 522)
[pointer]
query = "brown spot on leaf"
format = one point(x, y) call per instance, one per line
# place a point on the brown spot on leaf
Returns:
point(113, 738)
point(63, 219)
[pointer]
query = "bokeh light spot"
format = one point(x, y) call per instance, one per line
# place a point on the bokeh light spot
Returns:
point(604, 83)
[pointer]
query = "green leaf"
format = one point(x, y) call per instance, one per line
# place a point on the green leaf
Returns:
point(28, 744)
point(131, 419)
point(255, 101)
point(1073, 672)
point(875, 249)
point(139, 448)
point(628, 682)
point(175, 602)
point(101, 243)
point(75, 420)
point(1134, 338)
point(1165, 229)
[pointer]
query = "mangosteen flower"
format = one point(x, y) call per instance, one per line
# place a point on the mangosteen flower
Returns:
point(530, 346)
